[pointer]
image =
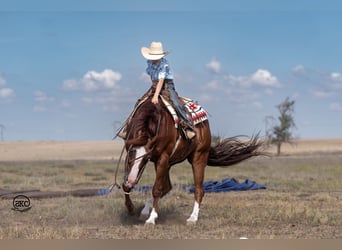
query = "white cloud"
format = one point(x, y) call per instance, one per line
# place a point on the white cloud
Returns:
point(257, 105)
point(42, 100)
point(214, 84)
point(246, 91)
point(299, 70)
point(335, 106)
point(6, 92)
point(261, 77)
point(322, 94)
point(269, 92)
point(264, 78)
point(214, 65)
point(40, 96)
point(2, 80)
point(94, 81)
point(335, 76)
point(39, 108)
point(336, 80)
point(65, 104)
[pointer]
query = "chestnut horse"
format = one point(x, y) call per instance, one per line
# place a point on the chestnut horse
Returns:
point(152, 136)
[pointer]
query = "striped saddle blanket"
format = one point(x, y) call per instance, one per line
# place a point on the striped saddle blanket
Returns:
point(195, 111)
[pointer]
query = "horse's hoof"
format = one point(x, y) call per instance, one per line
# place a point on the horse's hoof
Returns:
point(149, 224)
point(191, 222)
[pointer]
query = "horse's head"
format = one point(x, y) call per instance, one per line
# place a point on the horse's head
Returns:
point(136, 160)
point(141, 134)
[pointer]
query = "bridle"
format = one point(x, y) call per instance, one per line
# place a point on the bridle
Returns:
point(130, 149)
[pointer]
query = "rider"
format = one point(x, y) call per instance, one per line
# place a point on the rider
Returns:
point(158, 68)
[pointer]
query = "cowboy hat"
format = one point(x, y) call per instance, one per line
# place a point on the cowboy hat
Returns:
point(154, 52)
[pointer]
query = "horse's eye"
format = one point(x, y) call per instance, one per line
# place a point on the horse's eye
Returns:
point(131, 153)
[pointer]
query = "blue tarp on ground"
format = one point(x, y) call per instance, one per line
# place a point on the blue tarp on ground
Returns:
point(229, 184)
point(225, 185)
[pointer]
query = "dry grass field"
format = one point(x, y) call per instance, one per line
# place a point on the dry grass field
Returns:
point(303, 198)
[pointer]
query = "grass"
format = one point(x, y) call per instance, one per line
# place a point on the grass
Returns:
point(303, 200)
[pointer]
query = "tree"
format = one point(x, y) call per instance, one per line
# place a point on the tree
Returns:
point(282, 133)
point(2, 128)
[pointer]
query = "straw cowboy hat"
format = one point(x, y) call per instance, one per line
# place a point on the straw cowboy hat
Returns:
point(154, 52)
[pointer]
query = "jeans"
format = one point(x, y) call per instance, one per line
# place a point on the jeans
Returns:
point(180, 109)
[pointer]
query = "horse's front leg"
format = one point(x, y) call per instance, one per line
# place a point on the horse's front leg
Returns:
point(198, 167)
point(162, 186)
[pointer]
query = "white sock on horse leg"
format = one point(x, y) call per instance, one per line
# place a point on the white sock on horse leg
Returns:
point(153, 217)
point(194, 215)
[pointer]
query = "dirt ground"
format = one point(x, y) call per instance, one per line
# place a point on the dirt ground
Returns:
point(107, 150)
point(59, 150)
point(302, 200)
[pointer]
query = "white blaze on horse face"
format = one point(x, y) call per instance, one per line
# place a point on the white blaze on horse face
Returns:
point(133, 174)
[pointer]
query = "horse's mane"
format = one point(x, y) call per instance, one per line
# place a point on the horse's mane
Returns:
point(143, 124)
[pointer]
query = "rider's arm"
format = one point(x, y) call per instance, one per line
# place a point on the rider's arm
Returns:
point(157, 92)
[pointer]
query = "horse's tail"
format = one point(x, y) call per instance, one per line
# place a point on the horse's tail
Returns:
point(232, 150)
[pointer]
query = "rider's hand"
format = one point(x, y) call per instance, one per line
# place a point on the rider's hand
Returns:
point(155, 99)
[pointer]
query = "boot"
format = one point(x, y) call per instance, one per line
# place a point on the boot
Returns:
point(122, 134)
point(190, 133)
point(187, 130)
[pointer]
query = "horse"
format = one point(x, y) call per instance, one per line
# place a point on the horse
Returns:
point(152, 136)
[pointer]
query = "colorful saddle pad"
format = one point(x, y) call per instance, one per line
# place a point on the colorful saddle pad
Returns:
point(196, 111)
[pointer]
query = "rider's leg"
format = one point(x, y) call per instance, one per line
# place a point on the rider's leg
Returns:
point(180, 110)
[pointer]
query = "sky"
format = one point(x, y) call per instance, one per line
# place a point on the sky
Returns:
point(73, 70)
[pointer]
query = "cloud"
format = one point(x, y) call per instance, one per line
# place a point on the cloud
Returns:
point(264, 78)
point(336, 77)
point(94, 81)
point(42, 100)
point(214, 66)
point(246, 91)
point(101, 89)
point(39, 108)
point(111, 100)
point(326, 84)
point(269, 92)
point(322, 94)
point(214, 84)
point(5, 92)
point(336, 80)
point(2, 80)
point(335, 106)
point(261, 77)
point(40, 96)
point(299, 70)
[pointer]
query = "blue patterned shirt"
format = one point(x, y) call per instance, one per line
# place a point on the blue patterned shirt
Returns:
point(159, 70)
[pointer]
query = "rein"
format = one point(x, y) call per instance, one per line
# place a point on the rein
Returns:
point(115, 184)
